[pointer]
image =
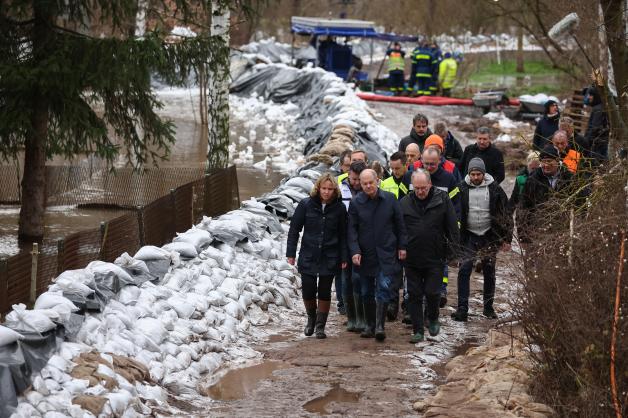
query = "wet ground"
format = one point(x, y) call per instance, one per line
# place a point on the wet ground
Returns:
point(345, 375)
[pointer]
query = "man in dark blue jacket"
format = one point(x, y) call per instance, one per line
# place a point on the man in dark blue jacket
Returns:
point(546, 126)
point(377, 241)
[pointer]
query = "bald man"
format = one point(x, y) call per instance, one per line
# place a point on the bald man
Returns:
point(377, 244)
point(412, 154)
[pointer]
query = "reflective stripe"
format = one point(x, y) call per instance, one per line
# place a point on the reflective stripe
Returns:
point(342, 177)
point(423, 75)
point(454, 192)
point(423, 57)
point(445, 279)
point(389, 185)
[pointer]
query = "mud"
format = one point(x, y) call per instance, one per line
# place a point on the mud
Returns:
point(323, 377)
point(238, 383)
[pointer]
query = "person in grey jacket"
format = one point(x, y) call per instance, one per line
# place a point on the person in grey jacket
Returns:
point(432, 228)
point(485, 227)
point(377, 242)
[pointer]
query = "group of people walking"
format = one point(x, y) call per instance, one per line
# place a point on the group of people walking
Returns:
point(440, 205)
point(431, 71)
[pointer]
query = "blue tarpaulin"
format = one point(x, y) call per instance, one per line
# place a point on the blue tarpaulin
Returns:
point(343, 27)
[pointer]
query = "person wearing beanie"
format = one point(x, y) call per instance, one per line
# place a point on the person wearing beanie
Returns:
point(436, 142)
point(485, 228)
point(550, 180)
point(546, 126)
point(483, 148)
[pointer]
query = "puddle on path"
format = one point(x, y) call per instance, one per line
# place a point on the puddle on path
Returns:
point(335, 394)
point(239, 383)
point(279, 338)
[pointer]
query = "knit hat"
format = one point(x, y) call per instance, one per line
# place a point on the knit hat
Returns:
point(476, 164)
point(549, 153)
point(435, 140)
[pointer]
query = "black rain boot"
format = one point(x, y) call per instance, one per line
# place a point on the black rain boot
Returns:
point(380, 320)
point(369, 313)
point(351, 314)
point(321, 318)
point(360, 319)
point(310, 308)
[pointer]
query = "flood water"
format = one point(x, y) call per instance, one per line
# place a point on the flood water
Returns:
point(238, 383)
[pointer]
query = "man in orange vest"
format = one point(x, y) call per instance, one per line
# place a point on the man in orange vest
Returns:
point(570, 157)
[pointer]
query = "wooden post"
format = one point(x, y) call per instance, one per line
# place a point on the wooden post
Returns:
point(193, 221)
point(140, 223)
point(34, 260)
point(60, 255)
point(104, 229)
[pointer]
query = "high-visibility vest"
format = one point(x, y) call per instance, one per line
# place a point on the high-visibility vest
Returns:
point(390, 185)
point(396, 61)
point(342, 177)
point(447, 73)
point(571, 160)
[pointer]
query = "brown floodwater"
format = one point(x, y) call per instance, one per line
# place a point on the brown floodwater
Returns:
point(238, 383)
point(336, 394)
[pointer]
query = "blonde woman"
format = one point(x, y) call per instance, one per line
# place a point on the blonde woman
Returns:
point(322, 217)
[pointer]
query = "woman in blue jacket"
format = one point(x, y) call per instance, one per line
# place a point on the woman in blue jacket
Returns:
point(322, 217)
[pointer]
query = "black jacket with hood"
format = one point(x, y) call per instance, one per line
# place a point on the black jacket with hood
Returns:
point(492, 157)
point(501, 218)
point(323, 245)
point(598, 127)
point(545, 128)
point(414, 137)
point(433, 236)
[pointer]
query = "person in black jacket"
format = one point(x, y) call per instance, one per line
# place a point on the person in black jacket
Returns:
point(483, 148)
point(598, 127)
point(418, 133)
point(551, 179)
point(576, 141)
point(485, 227)
point(377, 241)
point(322, 217)
point(453, 149)
point(546, 126)
point(433, 238)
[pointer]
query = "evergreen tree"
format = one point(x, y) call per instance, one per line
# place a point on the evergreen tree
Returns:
point(63, 87)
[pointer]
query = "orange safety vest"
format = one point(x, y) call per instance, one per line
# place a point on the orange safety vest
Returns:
point(571, 160)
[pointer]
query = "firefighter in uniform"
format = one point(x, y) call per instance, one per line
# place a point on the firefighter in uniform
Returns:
point(423, 70)
point(396, 66)
point(399, 185)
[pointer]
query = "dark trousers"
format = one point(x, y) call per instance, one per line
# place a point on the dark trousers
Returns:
point(423, 282)
point(395, 81)
point(313, 286)
point(375, 288)
point(424, 85)
point(446, 93)
point(395, 285)
point(474, 246)
point(411, 80)
point(338, 282)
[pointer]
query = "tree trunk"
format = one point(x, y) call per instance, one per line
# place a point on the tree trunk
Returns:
point(616, 38)
point(520, 66)
point(31, 222)
point(218, 94)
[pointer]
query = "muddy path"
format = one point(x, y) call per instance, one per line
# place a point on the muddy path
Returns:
point(345, 375)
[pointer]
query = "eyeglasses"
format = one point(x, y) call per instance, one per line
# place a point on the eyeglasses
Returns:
point(430, 164)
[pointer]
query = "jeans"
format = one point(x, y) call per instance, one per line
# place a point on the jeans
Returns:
point(474, 245)
point(423, 282)
point(376, 287)
point(338, 282)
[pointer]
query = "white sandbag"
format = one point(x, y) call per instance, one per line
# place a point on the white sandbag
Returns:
point(8, 336)
point(203, 285)
point(104, 268)
point(232, 287)
point(197, 237)
point(234, 309)
point(217, 298)
point(126, 261)
point(181, 306)
point(150, 252)
point(183, 248)
point(152, 328)
point(150, 392)
point(119, 401)
point(74, 282)
point(21, 319)
point(49, 300)
point(129, 295)
point(200, 303)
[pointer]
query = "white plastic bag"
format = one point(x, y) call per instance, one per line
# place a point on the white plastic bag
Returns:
point(197, 237)
point(185, 249)
point(22, 319)
point(8, 336)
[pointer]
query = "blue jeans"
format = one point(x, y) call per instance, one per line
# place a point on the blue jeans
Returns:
point(376, 287)
point(338, 282)
point(474, 245)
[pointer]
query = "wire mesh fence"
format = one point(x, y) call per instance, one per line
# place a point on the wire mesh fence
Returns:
point(152, 222)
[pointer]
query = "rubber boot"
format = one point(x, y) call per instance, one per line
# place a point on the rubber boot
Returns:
point(393, 309)
point(369, 313)
point(360, 320)
point(351, 315)
point(321, 318)
point(310, 308)
point(380, 319)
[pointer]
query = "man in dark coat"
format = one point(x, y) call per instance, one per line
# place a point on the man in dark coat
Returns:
point(432, 229)
point(485, 227)
point(377, 241)
point(484, 149)
point(598, 127)
point(546, 126)
point(453, 149)
point(549, 180)
point(418, 133)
